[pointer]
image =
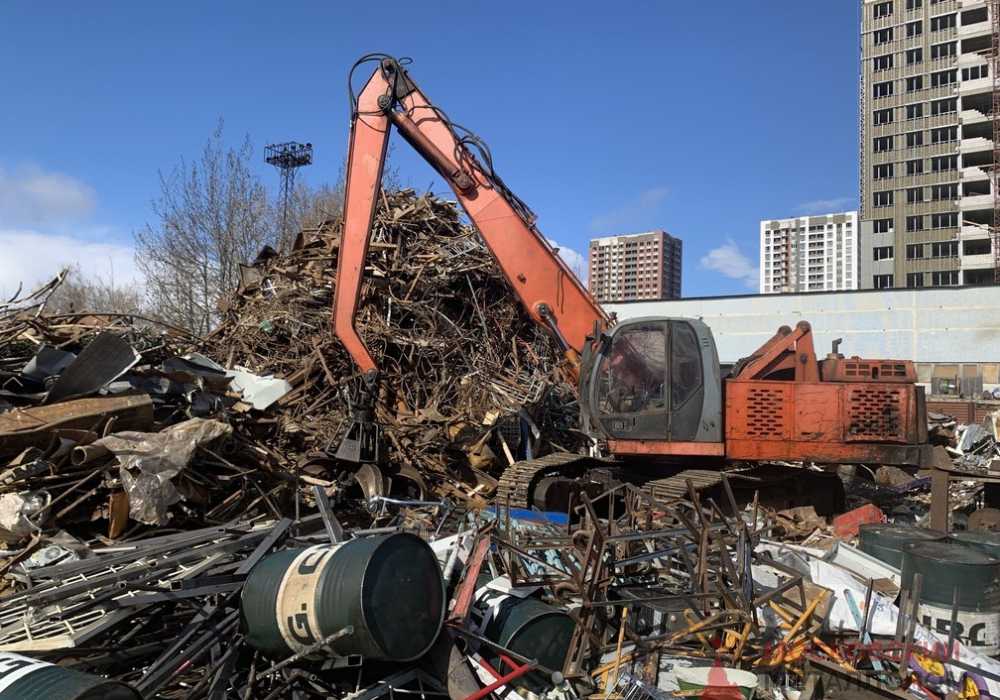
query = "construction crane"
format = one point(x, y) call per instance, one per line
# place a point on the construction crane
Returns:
point(651, 390)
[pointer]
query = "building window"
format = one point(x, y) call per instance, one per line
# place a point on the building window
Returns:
point(883, 36)
point(943, 50)
point(914, 139)
point(880, 90)
point(914, 195)
point(882, 225)
point(882, 281)
point(914, 4)
point(944, 163)
point(882, 116)
point(880, 63)
point(945, 134)
point(914, 279)
point(945, 106)
point(915, 111)
point(975, 72)
point(914, 251)
point(915, 83)
point(882, 144)
point(914, 223)
point(882, 199)
point(946, 249)
point(948, 278)
point(949, 220)
point(914, 167)
point(882, 252)
point(914, 56)
point(883, 9)
point(943, 22)
point(939, 192)
point(944, 77)
point(880, 172)
point(914, 28)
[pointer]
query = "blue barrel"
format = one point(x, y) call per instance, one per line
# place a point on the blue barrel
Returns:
point(25, 678)
point(388, 588)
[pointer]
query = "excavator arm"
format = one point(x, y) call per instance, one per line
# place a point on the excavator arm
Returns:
point(543, 283)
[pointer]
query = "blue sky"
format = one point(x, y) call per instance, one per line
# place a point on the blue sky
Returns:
point(700, 118)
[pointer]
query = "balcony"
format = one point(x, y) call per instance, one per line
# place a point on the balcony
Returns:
point(975, 144)
point(971, 4)
point(973, 29)
point(970, 231)
point(969, 87)
point(977, 201)
point(977, 261)
point(974, 173)
point(973, 116)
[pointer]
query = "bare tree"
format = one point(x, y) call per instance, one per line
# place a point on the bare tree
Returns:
point(79, 293)
point(213, 214)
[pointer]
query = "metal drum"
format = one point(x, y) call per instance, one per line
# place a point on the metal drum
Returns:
point(986, 542)
point(886, 542)
point(534, 630)
point(948, 567)
point(24, 678)
point(388, 588)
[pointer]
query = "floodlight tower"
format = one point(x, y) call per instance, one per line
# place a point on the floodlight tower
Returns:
point(287, 158)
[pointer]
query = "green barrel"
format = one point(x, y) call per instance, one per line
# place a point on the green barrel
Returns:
point(886, 542)
point(535, 631)
point(987, 542)
point(24, 678)
point(388, 588)
point(948, 567)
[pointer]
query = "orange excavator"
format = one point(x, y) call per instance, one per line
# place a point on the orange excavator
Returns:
point(651, 390)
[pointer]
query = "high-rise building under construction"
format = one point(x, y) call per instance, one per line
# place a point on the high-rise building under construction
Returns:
point(929, 143)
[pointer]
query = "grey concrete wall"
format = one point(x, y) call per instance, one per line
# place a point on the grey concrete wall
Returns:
point(924, 325)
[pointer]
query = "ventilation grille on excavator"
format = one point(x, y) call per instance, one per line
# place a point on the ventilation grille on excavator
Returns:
point(876, 414)
point(765, 414)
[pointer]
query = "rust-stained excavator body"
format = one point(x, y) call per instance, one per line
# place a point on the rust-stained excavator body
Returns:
point(651, 391)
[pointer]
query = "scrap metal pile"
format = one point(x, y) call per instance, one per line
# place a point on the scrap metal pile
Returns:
point(174, 523)
point(434, 306)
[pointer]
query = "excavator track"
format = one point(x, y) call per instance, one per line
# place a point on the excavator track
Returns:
point(517, 482)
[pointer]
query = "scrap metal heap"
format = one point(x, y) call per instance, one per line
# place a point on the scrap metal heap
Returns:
point(434, 306)
point(174, 524)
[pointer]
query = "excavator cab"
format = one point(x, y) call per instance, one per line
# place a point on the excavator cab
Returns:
point(653, 385)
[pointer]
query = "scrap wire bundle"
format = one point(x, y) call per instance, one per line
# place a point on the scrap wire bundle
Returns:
point(457, 354)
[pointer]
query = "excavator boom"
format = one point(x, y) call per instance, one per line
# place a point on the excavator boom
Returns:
point(543, 283)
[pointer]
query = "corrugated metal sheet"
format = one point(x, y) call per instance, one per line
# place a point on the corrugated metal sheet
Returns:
point(959, 324)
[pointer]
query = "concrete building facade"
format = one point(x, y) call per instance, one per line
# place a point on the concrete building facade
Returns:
point(926, 156)
point(635, 266)
point(809, 253)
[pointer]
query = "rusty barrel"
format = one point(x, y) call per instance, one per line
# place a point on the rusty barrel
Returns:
point(25, 678)
point(949, 572)
point(388, 588)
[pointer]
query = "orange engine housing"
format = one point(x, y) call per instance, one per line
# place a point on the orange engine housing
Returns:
point(781, 404)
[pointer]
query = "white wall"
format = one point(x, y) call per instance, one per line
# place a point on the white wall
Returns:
point(924, 325)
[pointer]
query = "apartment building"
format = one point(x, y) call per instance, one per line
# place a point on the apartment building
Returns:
point(809, 254)
point(927, 149)
point(635, 266)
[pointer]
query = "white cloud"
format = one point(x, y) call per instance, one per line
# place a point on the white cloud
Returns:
point(32, 258)
point(576, 260)
point(633, 213)
point(826, 206)
point(729, 261)
point(32, 197)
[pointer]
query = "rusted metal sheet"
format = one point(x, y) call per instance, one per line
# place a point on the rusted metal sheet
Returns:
point(36, 426)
